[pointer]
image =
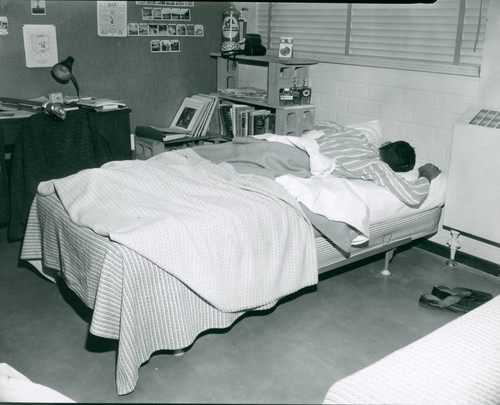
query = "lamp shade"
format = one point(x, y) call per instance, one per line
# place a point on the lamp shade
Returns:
point(61, 72)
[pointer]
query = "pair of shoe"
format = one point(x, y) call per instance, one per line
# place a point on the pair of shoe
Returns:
point(457, 299)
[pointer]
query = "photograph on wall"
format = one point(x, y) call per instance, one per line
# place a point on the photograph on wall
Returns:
point(175, 45)
point(112, 18)
point(165, 3)
point(156, 13)
point(165, 45)
point(162, 29)
point(172, 29)
point(143, 29)
point(133, 29)
point(147, 13)
point(153, 29)
point(40, 45)
point(155, 45)
point(4, 25)
point(38, 7)
point(181, 29)
point(199, 30)
point(170, 14)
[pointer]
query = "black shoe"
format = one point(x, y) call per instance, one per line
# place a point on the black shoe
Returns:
point(441, 291)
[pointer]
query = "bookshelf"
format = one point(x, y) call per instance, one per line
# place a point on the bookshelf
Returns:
point(281, 73)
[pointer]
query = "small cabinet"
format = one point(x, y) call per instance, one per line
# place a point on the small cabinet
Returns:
point(289, 119)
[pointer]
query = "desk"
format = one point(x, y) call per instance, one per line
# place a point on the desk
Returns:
point(114, 126)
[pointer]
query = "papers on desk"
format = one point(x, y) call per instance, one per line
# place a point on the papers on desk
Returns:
point(74, 99)
point(8, 112)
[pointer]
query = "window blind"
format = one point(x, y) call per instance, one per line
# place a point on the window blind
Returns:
point(438, 37)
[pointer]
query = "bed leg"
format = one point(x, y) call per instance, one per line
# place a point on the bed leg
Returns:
point(388, 257)
point(179, 352)
point(454, 244)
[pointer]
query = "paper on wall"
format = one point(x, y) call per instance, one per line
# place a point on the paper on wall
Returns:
point(40, 45)
point(112, 18)
point(4, 25)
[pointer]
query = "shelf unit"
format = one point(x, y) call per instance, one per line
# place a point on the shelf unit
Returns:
point(290, 120)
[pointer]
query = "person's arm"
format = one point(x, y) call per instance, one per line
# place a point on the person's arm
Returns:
point(412, 193)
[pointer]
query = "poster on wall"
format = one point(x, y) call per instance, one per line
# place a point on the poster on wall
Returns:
point(112, 18)
point(40, 45)
point(4, 25)
point(38, 7)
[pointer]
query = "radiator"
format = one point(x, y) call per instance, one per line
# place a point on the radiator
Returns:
point(473, 196)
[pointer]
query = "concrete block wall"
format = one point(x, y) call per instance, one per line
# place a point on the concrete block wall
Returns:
point(418, 107)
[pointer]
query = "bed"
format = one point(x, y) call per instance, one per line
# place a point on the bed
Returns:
point(155, 282)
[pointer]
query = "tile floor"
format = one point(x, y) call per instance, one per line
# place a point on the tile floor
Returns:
point(290, 354)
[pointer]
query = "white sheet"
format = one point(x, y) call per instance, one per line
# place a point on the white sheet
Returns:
point(332, 197)
point(239, 241)
point(358, 203)
point(320, 164)
point(15, 387)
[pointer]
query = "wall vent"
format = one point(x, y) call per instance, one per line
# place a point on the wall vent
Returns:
point(487, 118)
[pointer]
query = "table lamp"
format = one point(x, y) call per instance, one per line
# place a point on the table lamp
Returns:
point(61, 73)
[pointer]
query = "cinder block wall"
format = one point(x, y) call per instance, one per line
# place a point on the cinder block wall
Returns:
point(417, 107)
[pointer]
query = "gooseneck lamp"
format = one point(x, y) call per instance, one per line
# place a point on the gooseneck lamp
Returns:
point(61, 73)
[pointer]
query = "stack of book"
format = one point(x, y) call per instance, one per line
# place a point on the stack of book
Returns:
point(192, 118)
point(245, 92)
point(243, 120)
point(101, 104)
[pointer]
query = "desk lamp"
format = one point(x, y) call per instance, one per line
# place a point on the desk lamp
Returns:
point(61, 73)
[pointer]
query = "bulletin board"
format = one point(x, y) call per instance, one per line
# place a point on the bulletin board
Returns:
point(137, 68)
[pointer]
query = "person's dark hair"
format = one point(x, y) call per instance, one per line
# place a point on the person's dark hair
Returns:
point(399, 155)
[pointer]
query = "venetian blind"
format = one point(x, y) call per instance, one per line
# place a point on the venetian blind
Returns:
point(439, 37)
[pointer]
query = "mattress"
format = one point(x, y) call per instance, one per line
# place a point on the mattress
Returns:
point(383, 236)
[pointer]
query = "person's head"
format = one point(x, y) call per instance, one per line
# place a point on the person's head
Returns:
point(399, 155)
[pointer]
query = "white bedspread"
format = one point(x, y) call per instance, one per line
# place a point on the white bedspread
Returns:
point(239, 241)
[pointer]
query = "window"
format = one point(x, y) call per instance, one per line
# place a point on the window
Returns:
point(445, 36)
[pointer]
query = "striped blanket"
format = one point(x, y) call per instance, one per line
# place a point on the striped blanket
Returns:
point(239, 241)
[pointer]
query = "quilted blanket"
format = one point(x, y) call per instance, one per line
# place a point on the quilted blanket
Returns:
point(239, 241)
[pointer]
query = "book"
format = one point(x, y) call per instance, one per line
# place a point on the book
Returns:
point(237, 120)
point(159, 134)
point(244, 115)
point(211, 102)
point(206, 114)
point(188, 115)
point(225, 120)
point(259, 122)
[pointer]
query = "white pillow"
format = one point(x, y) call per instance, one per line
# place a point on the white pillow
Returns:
point(372, 129)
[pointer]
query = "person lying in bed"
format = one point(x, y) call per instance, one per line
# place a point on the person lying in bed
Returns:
point(356, 157)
